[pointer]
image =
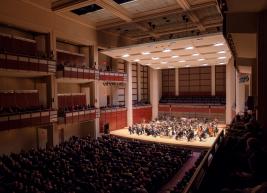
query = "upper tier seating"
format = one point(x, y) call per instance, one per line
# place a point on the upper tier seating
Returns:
point(214, 100)
point(20, 46)
point(19, 101)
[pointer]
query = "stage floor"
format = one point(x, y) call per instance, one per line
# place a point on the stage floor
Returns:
point(206, 143)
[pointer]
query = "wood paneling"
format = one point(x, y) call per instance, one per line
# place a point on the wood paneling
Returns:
point(168, 82)
point(195, 81)
point(142, 114)
point(117, 119)
point(220, 80)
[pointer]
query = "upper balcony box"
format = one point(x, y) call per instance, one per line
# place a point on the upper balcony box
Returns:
point(20, 54)
point(72, 66)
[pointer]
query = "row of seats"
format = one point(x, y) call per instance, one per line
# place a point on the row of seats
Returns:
point(12, 45)
point(194, 99)
point(81, 165)
point(71, 60)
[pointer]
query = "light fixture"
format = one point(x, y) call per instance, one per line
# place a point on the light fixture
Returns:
point(195, 54)
point(223, 57)
point(201, 59)
point(218, 44)
point(125, 55)
point(182, 61)
point(204, 64)
point(174, 56)
point(158, 68)
point(187, 65)
point(222, 63)
point(167, 50)
point(221, 52)
point(155, 58)
point(137, 60)
point(170, 66)
point(148, 64)
point(145, 53)
point(163, 62)
point(189, 48)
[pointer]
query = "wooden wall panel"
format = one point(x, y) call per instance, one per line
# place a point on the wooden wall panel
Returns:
point(142, 114)
point(115, 119)
point(220, 80)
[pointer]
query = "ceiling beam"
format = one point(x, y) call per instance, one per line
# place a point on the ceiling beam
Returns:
point(161, 12)
point(115, 9)
point(187, 8)
point(179, 30)
point(57, 6)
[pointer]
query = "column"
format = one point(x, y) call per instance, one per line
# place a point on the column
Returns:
point(139, 82)
point(237, 88)
point(129, 97)
point(176, 81)
point(154, 91)
point(97, 106)
point(261, 71)
point(230, 91)
point(213, 80)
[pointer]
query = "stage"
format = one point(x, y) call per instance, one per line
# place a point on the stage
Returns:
point(205, 144)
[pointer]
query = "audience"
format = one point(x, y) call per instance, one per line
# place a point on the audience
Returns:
point(62, 111)
point(105, 165)
point(241, 161)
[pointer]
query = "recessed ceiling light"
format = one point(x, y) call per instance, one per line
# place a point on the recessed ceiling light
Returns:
point(174, 56)
point(158, 68)
point(223, 57)
point(222, 63)
point(187, 65)
point(170, 66)
point(221, 52)
point(204, 64)
point(136, 60)
point(189, 48)
point(201, 59)
point(182, 61)
point(155, 58)
point(145, 53)
point(167, 50)
point(195, 54)
point(218, 44)
point(148, 64)
point(125, 55)
point(163, 62)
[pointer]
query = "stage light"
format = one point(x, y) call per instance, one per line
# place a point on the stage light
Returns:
point(189, 48)
point(218, 44)
point(145, 53)
point(167, 50)
point(125, 55)
point(137, 60)
point(163, 62)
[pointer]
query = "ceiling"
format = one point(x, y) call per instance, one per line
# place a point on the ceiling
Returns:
point(204, 50)
point(145, 20)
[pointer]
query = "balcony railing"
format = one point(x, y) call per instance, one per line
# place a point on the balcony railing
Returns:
point(26, 63)
point(79, 116)
point(27, 119)
point(113, 76)
point(76, 72)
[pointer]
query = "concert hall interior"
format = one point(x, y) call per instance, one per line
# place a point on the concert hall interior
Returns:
point(133, 96)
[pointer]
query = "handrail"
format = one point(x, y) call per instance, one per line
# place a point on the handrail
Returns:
point(204, 163)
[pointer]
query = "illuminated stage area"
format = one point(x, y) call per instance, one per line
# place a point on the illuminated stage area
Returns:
point(195, 143)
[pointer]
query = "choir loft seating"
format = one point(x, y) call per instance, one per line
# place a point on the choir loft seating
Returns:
point(73, 108)
point(213, 100)
point(115, 117)
point(21, 108)
point(73, 65)
point(17, 53)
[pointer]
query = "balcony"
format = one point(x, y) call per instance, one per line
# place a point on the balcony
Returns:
point(66, 73)
point(78, 116)
point(27, 119)
point(113, 76)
